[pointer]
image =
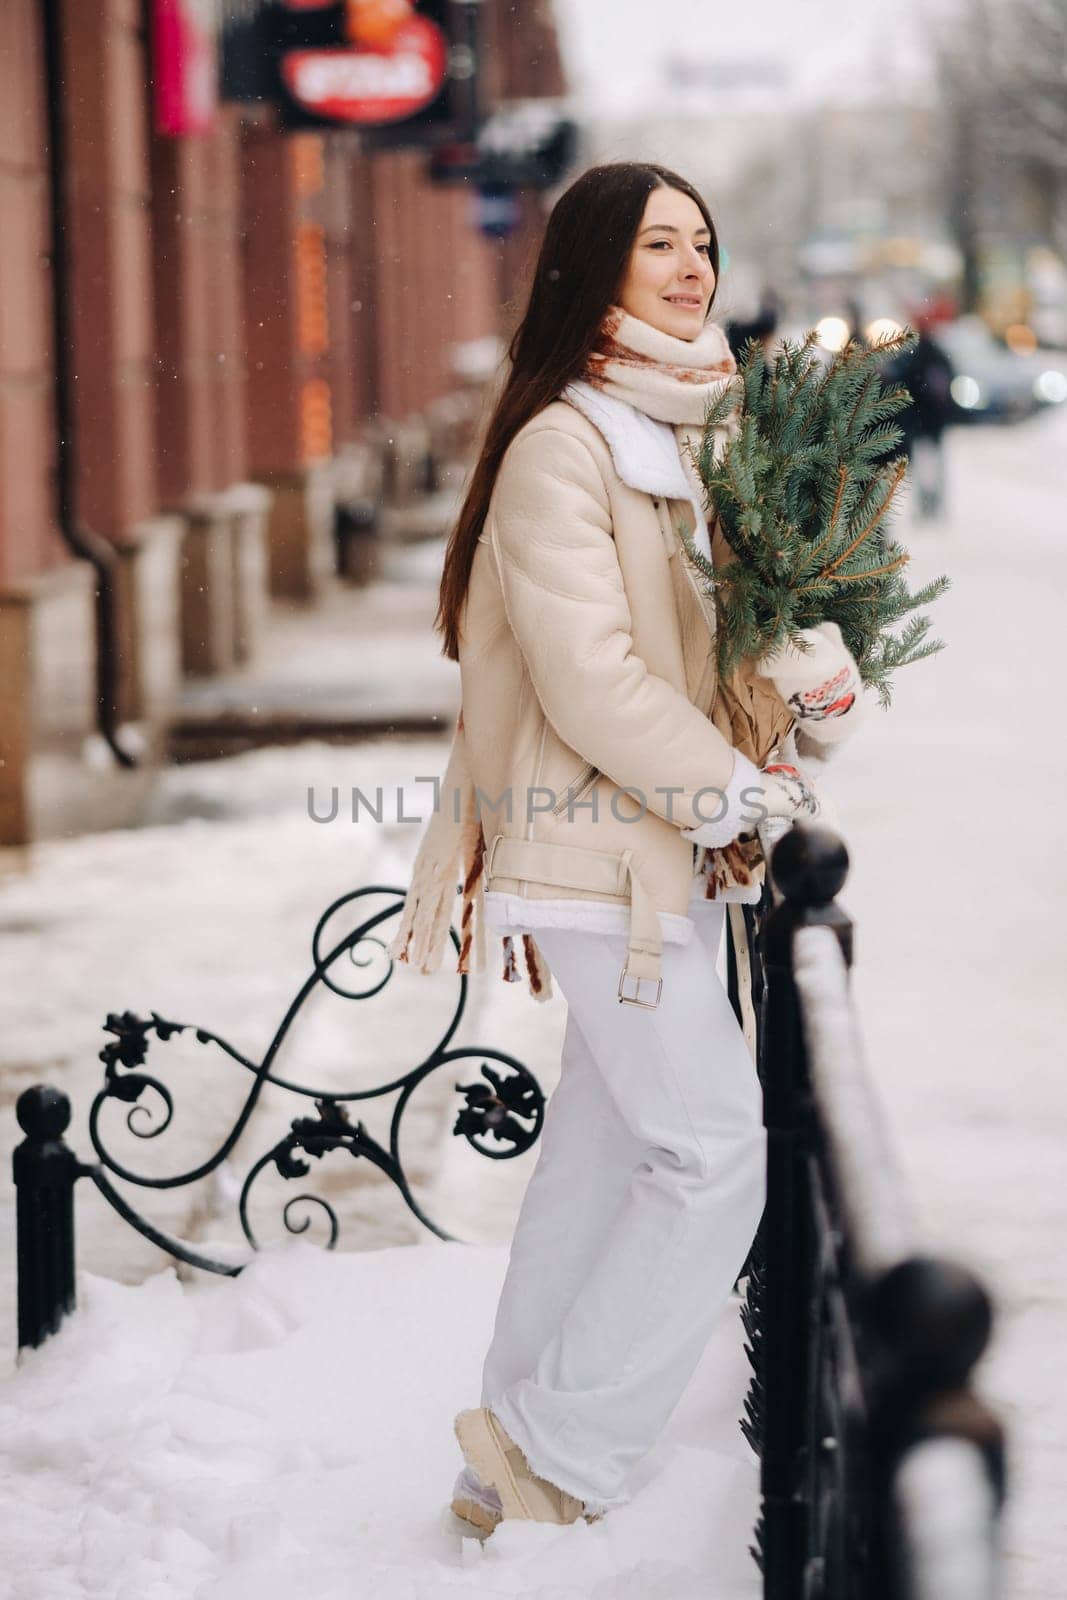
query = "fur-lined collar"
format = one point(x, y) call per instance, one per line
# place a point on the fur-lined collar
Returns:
point(644, 451)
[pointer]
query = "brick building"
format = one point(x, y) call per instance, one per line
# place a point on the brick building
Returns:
point(193, 331)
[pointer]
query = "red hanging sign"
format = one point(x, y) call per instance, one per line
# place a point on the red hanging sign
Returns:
point(399, 66)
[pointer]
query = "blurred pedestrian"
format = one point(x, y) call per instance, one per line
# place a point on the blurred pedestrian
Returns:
point(854, 322)
point(763, 326)
point(926, 372)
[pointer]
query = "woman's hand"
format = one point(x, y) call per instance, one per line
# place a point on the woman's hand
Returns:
point(820, 685)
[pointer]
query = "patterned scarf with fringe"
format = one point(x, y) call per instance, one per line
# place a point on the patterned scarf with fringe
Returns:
point(453, 848)
point(672, 380)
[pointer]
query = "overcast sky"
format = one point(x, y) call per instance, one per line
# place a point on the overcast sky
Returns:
point(615, 49)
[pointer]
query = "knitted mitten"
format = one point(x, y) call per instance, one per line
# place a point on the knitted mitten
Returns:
point(820, 685)
point(781, 790)
point(789, 793)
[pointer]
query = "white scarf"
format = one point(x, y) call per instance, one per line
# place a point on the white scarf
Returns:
point(647, 393)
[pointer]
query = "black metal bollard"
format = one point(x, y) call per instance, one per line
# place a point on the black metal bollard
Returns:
point(809, 866)
point(45, 1171)
point(929, 1320)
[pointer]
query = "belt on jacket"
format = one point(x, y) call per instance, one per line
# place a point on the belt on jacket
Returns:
point(569, 866)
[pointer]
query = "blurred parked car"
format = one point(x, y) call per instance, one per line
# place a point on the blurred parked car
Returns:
point(995, 384)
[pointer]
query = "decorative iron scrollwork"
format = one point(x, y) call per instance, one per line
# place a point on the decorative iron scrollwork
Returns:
point(509, 1110)
point(501, 1116)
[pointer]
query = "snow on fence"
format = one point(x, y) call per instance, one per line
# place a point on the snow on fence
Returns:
point(882, 1471)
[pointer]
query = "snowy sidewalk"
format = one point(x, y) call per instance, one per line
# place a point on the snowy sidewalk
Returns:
point(361, 662)
point(215, 1438)
point(958, 879)
point(290, 1432)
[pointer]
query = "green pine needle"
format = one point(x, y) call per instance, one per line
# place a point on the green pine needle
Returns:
point(804, 493)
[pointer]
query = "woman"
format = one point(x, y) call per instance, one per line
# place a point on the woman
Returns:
point(590, 802)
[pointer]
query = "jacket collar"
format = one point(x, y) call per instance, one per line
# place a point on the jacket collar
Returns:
point(644, 452)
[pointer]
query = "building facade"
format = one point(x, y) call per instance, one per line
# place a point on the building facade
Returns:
point(194, 329)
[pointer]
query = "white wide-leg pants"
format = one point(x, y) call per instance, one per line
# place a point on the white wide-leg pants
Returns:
point(637, 1218)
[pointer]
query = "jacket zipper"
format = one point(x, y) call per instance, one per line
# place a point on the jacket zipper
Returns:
point(576, 788)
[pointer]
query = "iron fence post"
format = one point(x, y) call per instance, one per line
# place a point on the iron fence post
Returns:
point(45, 1171)
point(809, 866)
point(930, 1319)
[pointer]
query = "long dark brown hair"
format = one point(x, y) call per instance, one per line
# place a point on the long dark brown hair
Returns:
point(580, 270)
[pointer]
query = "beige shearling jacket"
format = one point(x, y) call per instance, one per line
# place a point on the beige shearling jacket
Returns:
point(588, 686)
point(594, 743)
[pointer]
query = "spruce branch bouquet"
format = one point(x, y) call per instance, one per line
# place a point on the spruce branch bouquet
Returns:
point(802, 494)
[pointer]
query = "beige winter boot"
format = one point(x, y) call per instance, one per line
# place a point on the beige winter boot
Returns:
point(499, 1462)
point(475, 1504)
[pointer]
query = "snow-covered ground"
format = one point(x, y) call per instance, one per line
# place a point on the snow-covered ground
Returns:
point(205, 1437)
point(290, 1432)
point(173, 1439)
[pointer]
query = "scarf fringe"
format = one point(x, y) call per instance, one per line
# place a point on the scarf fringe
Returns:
point(450, 861)
point(738, 867)
point(538, 976)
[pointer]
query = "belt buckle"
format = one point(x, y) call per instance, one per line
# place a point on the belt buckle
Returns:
point(632, 999)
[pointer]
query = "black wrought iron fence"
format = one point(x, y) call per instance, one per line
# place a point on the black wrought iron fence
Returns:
point(882, 1470)
point(499, 1115)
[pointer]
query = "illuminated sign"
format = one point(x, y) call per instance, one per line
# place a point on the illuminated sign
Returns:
point(362, 63)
